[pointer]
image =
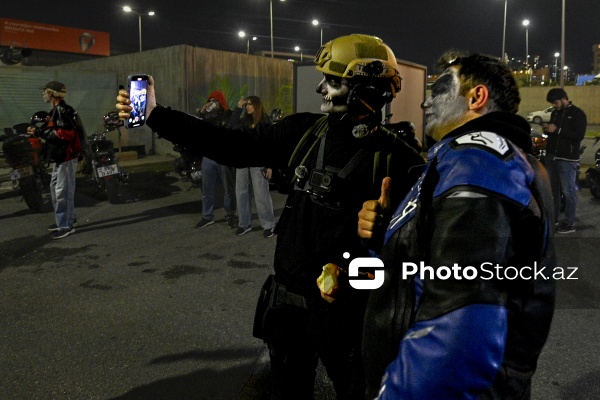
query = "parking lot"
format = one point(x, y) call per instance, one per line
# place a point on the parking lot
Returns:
point(138, 304)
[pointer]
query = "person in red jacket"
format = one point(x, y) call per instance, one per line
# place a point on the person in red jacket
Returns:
point(63, 146)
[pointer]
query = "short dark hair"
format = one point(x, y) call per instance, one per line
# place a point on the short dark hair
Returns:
point(555, 94)
point(480, 69)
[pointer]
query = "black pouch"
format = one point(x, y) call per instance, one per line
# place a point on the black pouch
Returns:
point(266, 301)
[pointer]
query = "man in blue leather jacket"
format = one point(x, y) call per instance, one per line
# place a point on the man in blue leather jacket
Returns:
point(452, 320)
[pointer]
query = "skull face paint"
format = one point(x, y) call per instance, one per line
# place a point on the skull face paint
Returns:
point(334, 92)
point(445, 107)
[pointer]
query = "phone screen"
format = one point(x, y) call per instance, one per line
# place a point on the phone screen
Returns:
point(138, 86)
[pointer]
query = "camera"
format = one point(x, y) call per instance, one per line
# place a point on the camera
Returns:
point(321, 180)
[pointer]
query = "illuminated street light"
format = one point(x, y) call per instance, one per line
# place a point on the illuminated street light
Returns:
point(526, 25)
point(315, 22)
point(556, 55)
point(297, 48)
point(130, 10)
point(271, 18)
point(242, 34)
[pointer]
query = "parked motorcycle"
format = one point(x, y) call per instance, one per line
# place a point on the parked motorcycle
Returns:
point(538, 143)
point(592, 175)
point(24, 154)
point(188, 165)
point(101, 162)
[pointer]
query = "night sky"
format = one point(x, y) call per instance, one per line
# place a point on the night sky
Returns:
point(417, 30)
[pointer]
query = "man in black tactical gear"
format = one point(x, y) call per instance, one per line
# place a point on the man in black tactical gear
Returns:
point(336, 158)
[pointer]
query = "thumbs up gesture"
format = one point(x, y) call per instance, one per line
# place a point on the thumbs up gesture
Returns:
point(372, 217)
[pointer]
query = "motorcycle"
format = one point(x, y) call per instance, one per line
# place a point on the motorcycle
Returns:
point(100, 161)
point(23, 153)
point(538, 144)
point(188, 165)
point(592, 175)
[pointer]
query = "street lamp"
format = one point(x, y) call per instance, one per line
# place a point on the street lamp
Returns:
point(271, 18)
point(556, 55)
point(315, 22)
point(504, 32)
point(526, 25)
point(129, 9)
point(242, 34)
point(297, 48)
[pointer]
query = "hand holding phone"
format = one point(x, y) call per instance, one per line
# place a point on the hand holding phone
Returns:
point(138, 88)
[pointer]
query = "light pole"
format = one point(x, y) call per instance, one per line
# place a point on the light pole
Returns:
point(271, 18)
point(297, 48)
point(504, 32)
point(562, 45)
point(129, 9)
point(315, 22)
point(556, 55)
point(526, 25)
point(242, 34)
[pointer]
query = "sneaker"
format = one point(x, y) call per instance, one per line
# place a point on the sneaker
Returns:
point(267, 233)
point(62, 233)
point(243, 230)
point(204, 222)
point(565, 229)
point(55, 228)
point(231, 223)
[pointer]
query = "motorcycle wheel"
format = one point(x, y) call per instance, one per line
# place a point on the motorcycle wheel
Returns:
point(31, 191)
point(595, 189)
point(111, 184)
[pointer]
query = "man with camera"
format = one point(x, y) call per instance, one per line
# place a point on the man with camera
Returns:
point(339, 160)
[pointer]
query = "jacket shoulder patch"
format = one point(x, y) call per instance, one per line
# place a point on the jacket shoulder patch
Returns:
point(489, 140)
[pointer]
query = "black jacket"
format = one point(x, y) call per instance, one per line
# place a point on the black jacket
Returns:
point(310, 232)
point(565, 142)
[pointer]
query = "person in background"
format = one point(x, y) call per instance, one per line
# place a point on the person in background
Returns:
point(336, 156)
point(216, 111)
point(484, 200)
point(249, 114)
point(63, 146)
point(406, 131)
point(565, 131)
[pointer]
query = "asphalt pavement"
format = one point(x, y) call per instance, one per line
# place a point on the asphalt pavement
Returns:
point(139, 304)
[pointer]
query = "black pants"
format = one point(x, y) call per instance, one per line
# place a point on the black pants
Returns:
point(301, 336)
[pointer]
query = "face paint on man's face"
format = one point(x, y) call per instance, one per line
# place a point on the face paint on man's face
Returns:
point(334, 92)
point(445, 106)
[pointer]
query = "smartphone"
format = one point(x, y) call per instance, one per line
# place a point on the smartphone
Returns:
point(138, 87)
